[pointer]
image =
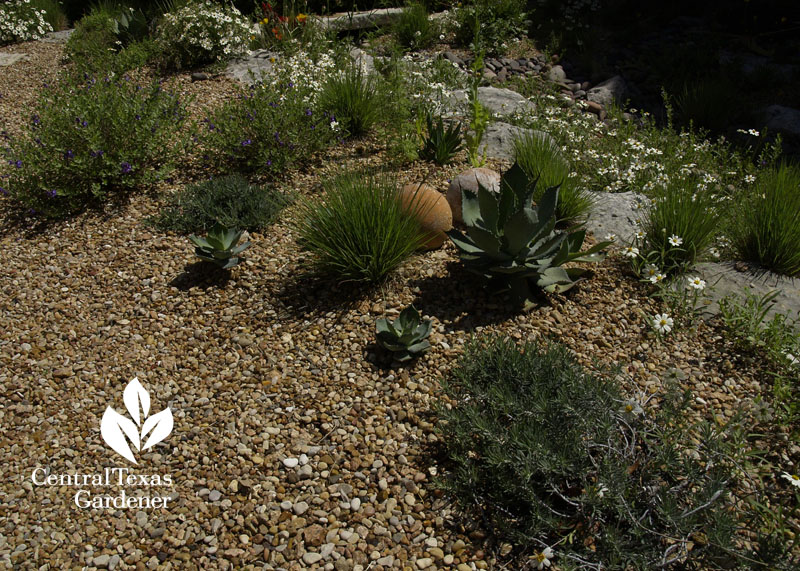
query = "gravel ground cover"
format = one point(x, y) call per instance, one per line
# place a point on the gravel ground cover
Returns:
point(291, 448)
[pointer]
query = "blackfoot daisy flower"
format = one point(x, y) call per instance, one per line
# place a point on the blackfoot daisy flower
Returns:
point(631, 252)
point(793, 479)
point(542, 559)
point(675, 240)
point(696, 283)
point(662, 323)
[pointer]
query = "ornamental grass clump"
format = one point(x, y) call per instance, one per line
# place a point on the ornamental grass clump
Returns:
point(230, 200)
point(354, 99)
point(413, 28)
point(539, 156)
point(766, 227)
point(680, 224)
point(267, 128)
point(559, 463)
point(92, 139)
point(360, 230)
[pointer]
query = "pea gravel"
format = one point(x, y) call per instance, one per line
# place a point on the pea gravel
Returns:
point(291, 448)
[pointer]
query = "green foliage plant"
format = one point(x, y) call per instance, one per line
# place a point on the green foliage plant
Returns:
point(21, 21)
point(478, 118)
point(267, 128)
point(559, 462)
point(540, 158)
point(680, 224)
point(230, 200)
point(354, 99)
point(441, 143)
point(497, 21)
point(201, 32)
point(91, 139)
point(514, 244)
point(360, 230)
point(413, 29)
point(220, 247)
point(406, 336)
point(767, 224)
point(53, 13)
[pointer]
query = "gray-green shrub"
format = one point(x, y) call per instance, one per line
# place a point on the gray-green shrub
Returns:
point(230, 200)
point(549, 455)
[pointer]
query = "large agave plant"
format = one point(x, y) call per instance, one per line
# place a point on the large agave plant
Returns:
point(220, 246)
point(513, 242)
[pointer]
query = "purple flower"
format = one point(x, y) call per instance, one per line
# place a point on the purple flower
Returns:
point(308, 112)
point(69, 154)
point(52, 193)
point(3, 191)
point(36, 119)
point(16, 163)
point(138, 117)
point(246, 142)
point(126, 167)
point(269, 163)
point(95, 154)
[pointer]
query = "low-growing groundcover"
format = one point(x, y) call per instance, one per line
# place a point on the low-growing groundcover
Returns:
point(230, 200)
point(93, 138)
point(559, 462)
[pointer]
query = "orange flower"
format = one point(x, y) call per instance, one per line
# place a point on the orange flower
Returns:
point(301, 18)
point(277, 33)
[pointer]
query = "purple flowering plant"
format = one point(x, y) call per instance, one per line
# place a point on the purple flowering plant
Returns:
point(267, 128)
point(83, 145)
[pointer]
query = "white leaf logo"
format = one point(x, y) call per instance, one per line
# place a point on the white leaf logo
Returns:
point(118, 430)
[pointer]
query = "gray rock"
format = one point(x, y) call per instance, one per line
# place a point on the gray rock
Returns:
point(57, 37)
point(613, 90)
point(360, 20)
point(782, 119)
point(469, 180)
point(311, 558)
point(11, 59)
point(497, 100)
point(557, 74)
point(362, 58)
point(613, 214)
point(498, 140)
point(249, 69)
point(214, 495)
point(101, 561)
point(724, 279)
point(199, 76)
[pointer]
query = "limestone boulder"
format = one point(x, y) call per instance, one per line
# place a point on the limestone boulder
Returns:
point(470, 179)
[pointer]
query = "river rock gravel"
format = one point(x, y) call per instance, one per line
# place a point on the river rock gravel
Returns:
point(292, 448)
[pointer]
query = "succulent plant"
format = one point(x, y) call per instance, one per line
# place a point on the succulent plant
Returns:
point(220, 246)
point(513, 242)
point(406, 336)
point(442, 143)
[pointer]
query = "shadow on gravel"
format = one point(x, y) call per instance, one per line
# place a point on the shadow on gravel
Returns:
point(461, 298)
point(202, 275)
point(309, 292)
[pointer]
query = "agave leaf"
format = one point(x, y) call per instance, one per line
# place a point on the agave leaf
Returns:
point(419, 348)
point(240, 248)
point(485, 240)
point(518, 182)
point(520, 230)
point(463, 243)
point(409, 318)
point(575, 240)
point(204, 255)
point(470, 208)
point(546, 246)
point(547, 204)
point(487, 202)
point(592, 254)
point(199, 242)
point(402, 357)
point(393, 346)
point(423, 329)
point(386, 327)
